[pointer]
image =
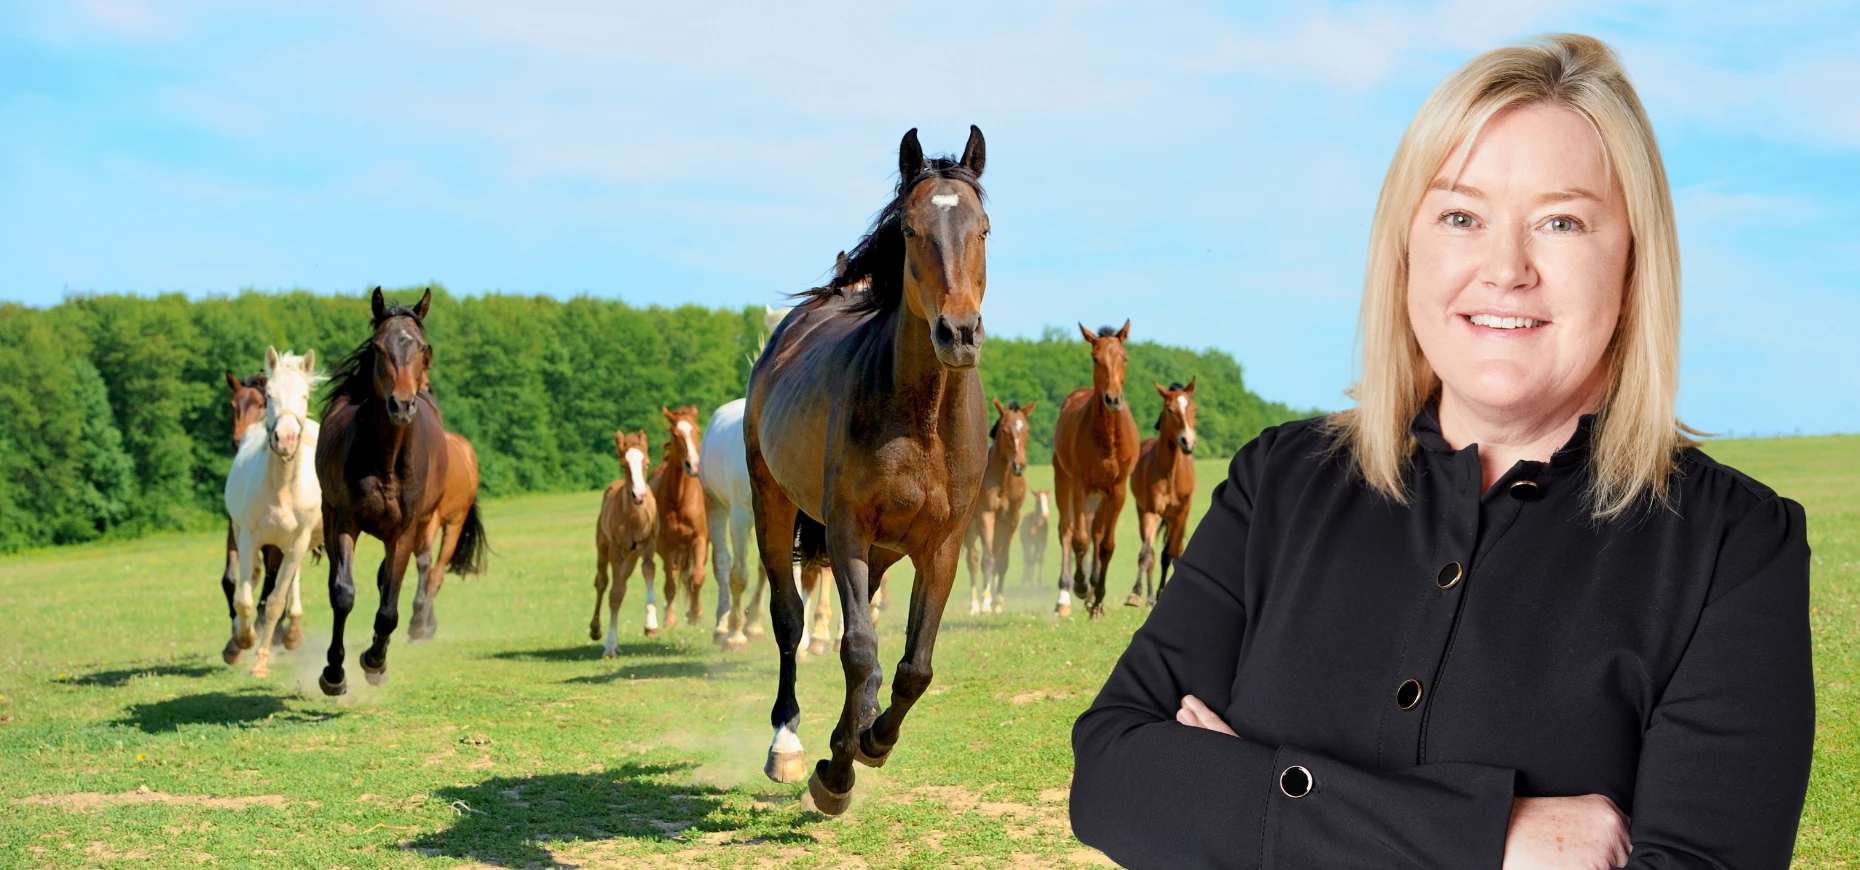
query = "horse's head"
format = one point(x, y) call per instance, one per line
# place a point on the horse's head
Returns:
point(401, 354)
point(632, 449)
point(1042, 499)
point(248, 403)
point(1178, 415)
point(1010, 433)
point(1107, 364)
point(684, 445)
point(945, 254)
point(288, 382)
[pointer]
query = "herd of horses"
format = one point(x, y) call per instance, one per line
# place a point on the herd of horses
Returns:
point(863, 440)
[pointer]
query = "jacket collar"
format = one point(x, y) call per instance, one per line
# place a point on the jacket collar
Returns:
point(1426, 430)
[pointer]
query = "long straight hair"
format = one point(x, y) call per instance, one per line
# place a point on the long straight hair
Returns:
point(1637, 435)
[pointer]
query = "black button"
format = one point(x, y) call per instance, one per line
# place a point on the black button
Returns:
point(1450, 575)
point(1524, 490)
point(1408, 694)
point(1296, 782)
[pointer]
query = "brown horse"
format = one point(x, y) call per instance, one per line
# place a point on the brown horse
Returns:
point(684, 532)
point(1033, 531)
point(866, 436)
point(457, 529)
point(624, 537)
point(1094, 450)
point(382, 463)
point(248, 407)
point(997, 511)
point(1163, 486)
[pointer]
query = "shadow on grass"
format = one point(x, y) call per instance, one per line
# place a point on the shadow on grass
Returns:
point(658, 671)
point(120, 677)
point(591, 652)
point(244, 708)
point(503, 819)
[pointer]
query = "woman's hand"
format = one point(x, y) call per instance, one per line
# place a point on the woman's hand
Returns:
point(1586, 833)
point(1195, 714)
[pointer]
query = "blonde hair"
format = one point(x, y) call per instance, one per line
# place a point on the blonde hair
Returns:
point(1637, 436)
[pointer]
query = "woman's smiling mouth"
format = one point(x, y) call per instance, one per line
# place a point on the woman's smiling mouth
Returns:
point(1494, 321)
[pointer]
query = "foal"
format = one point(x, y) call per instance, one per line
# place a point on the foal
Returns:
point(997, 509)
point(1163, 486)
point(624, 537)
point(1033, 532)
point(684, 532)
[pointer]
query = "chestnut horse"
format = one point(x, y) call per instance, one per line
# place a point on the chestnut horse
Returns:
point(624, 537)
point(1094, 450)
point(248, 407)
point(1033, 532)
point(382, 463)
point(1163, 486)
point(866, 436)
point(458, 526)
point(997, 511)
point(684, 532)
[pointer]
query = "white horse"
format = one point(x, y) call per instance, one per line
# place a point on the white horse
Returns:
point(724, 471)
point(274, 501)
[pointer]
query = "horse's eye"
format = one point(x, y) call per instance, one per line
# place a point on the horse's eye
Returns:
point(908, 232)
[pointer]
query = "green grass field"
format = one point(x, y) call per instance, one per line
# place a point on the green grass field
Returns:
point(509, 742)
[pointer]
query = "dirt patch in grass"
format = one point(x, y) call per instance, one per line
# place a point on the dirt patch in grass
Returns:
point(86, 801)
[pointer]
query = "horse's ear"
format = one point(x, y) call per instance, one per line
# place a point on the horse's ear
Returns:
point(1161, 390)
point(232, 381)
point(259, 381)
point(665, 413)
point(998, 407)
point(1089, 335)
point(1190, 389)
point(1027, 409)
point(620, 442)
point(1124, 334)
point(309, 362)
point(378, 304)
point(426, 302)
point(271, 360)
point(975, 154)
point(910, 158)
point(839, 266)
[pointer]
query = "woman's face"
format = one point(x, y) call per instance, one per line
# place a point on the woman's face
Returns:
point(1518, 266)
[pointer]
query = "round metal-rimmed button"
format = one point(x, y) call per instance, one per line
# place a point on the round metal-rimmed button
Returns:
point(1296, 782)
point(1449, 576)
point(1524, 490)
point(1408, 694)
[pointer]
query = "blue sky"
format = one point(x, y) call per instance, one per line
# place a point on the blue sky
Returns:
point(1207, 171)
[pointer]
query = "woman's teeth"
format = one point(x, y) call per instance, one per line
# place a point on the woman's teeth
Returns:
point(1496, 322)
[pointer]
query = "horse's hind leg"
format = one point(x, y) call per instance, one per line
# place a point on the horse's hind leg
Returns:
point(668, 561)
point(600, 588)
point(1146, 560)
point(817, 584)
point(1004, 544)
point(739, 544)
point(694, 567)
point(738, 571)
point(645, 569)
point(387, 613)
point(230, 579)
point(717, 519)
point(341, 547)
point(1104, 533)
point(294, 638)
point(432, 575)
point(242, 635)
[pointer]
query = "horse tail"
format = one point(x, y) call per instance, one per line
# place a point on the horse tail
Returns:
point(810, 541)
point(468, 556)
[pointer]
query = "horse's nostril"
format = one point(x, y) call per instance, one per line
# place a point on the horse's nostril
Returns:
point(944, 335)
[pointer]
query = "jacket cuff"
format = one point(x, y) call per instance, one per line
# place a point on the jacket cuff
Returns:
point(1324, 813)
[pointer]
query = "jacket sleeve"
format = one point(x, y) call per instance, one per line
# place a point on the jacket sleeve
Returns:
point(1725, 757)
point(1151, 792)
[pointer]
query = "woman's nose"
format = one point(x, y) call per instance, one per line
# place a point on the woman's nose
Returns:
point(1507, 264)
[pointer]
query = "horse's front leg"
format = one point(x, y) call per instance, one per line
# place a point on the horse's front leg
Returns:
point(1146, 559)
point(936, 573)
point(717, 519)
point(242, 634)
point(1104, 531)
point(986, 519)
point(278, 601)
point(829, 790)
point(601, 561)
point(430, 573)
point(387, 613)
point(1005, 527)
point(230, 579)
point(339, 542)
point(775, 516)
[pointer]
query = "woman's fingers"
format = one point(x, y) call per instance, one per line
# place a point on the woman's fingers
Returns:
point(1199, 716)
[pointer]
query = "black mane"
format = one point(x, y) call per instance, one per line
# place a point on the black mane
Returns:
point(354, 378)
point(879, 255)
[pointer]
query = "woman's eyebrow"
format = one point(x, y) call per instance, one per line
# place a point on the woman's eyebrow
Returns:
point(1567, 194)
point(1447, 185)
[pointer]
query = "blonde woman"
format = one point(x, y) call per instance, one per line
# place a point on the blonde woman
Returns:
point(1503, 613)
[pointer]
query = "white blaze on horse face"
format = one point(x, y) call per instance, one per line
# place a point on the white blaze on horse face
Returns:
point(945, 200)
point(636, 472)
point(686, 431)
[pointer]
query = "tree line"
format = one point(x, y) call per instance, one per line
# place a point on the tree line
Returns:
point(115, 422)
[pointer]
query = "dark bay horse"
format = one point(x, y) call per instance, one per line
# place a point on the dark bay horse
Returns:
point(1163, 486)
point(1094, 451)
point(382, 463)
point(457, 529)
point(866, 436)
point(683, 538)
point(997, 510)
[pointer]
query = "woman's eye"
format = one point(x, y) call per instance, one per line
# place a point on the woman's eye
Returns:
point(1459, 220)
point(1560, 225)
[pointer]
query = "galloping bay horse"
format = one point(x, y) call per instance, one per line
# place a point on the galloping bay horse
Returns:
point(1163, 486)
point(684, 532)
point(997, 511)
point(624, 537)
point(457, 525)
point(1094, 450)
point(383, 464)
point(866, 437)
point(1033, 531)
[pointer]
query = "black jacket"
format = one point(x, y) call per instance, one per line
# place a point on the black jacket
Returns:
point(1662, 660)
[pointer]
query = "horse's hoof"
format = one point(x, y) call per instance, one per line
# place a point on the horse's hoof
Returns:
point(375, 678)
point(720, 636)
point(822, 800)
point(1134, 600)
point(652, 632)
point(610, 653)
point(340, 686)
point(231, 653)
point(1096, 611)
point(786, 767)
point(594, 631)
point(974, 608)
point(247, 640)
point(1063, 610)
point(295, 637)
point(818, 647)
point(868, 760)
point(753, 629)
point(260, 670)
point(998, 608)
point(736, 644)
